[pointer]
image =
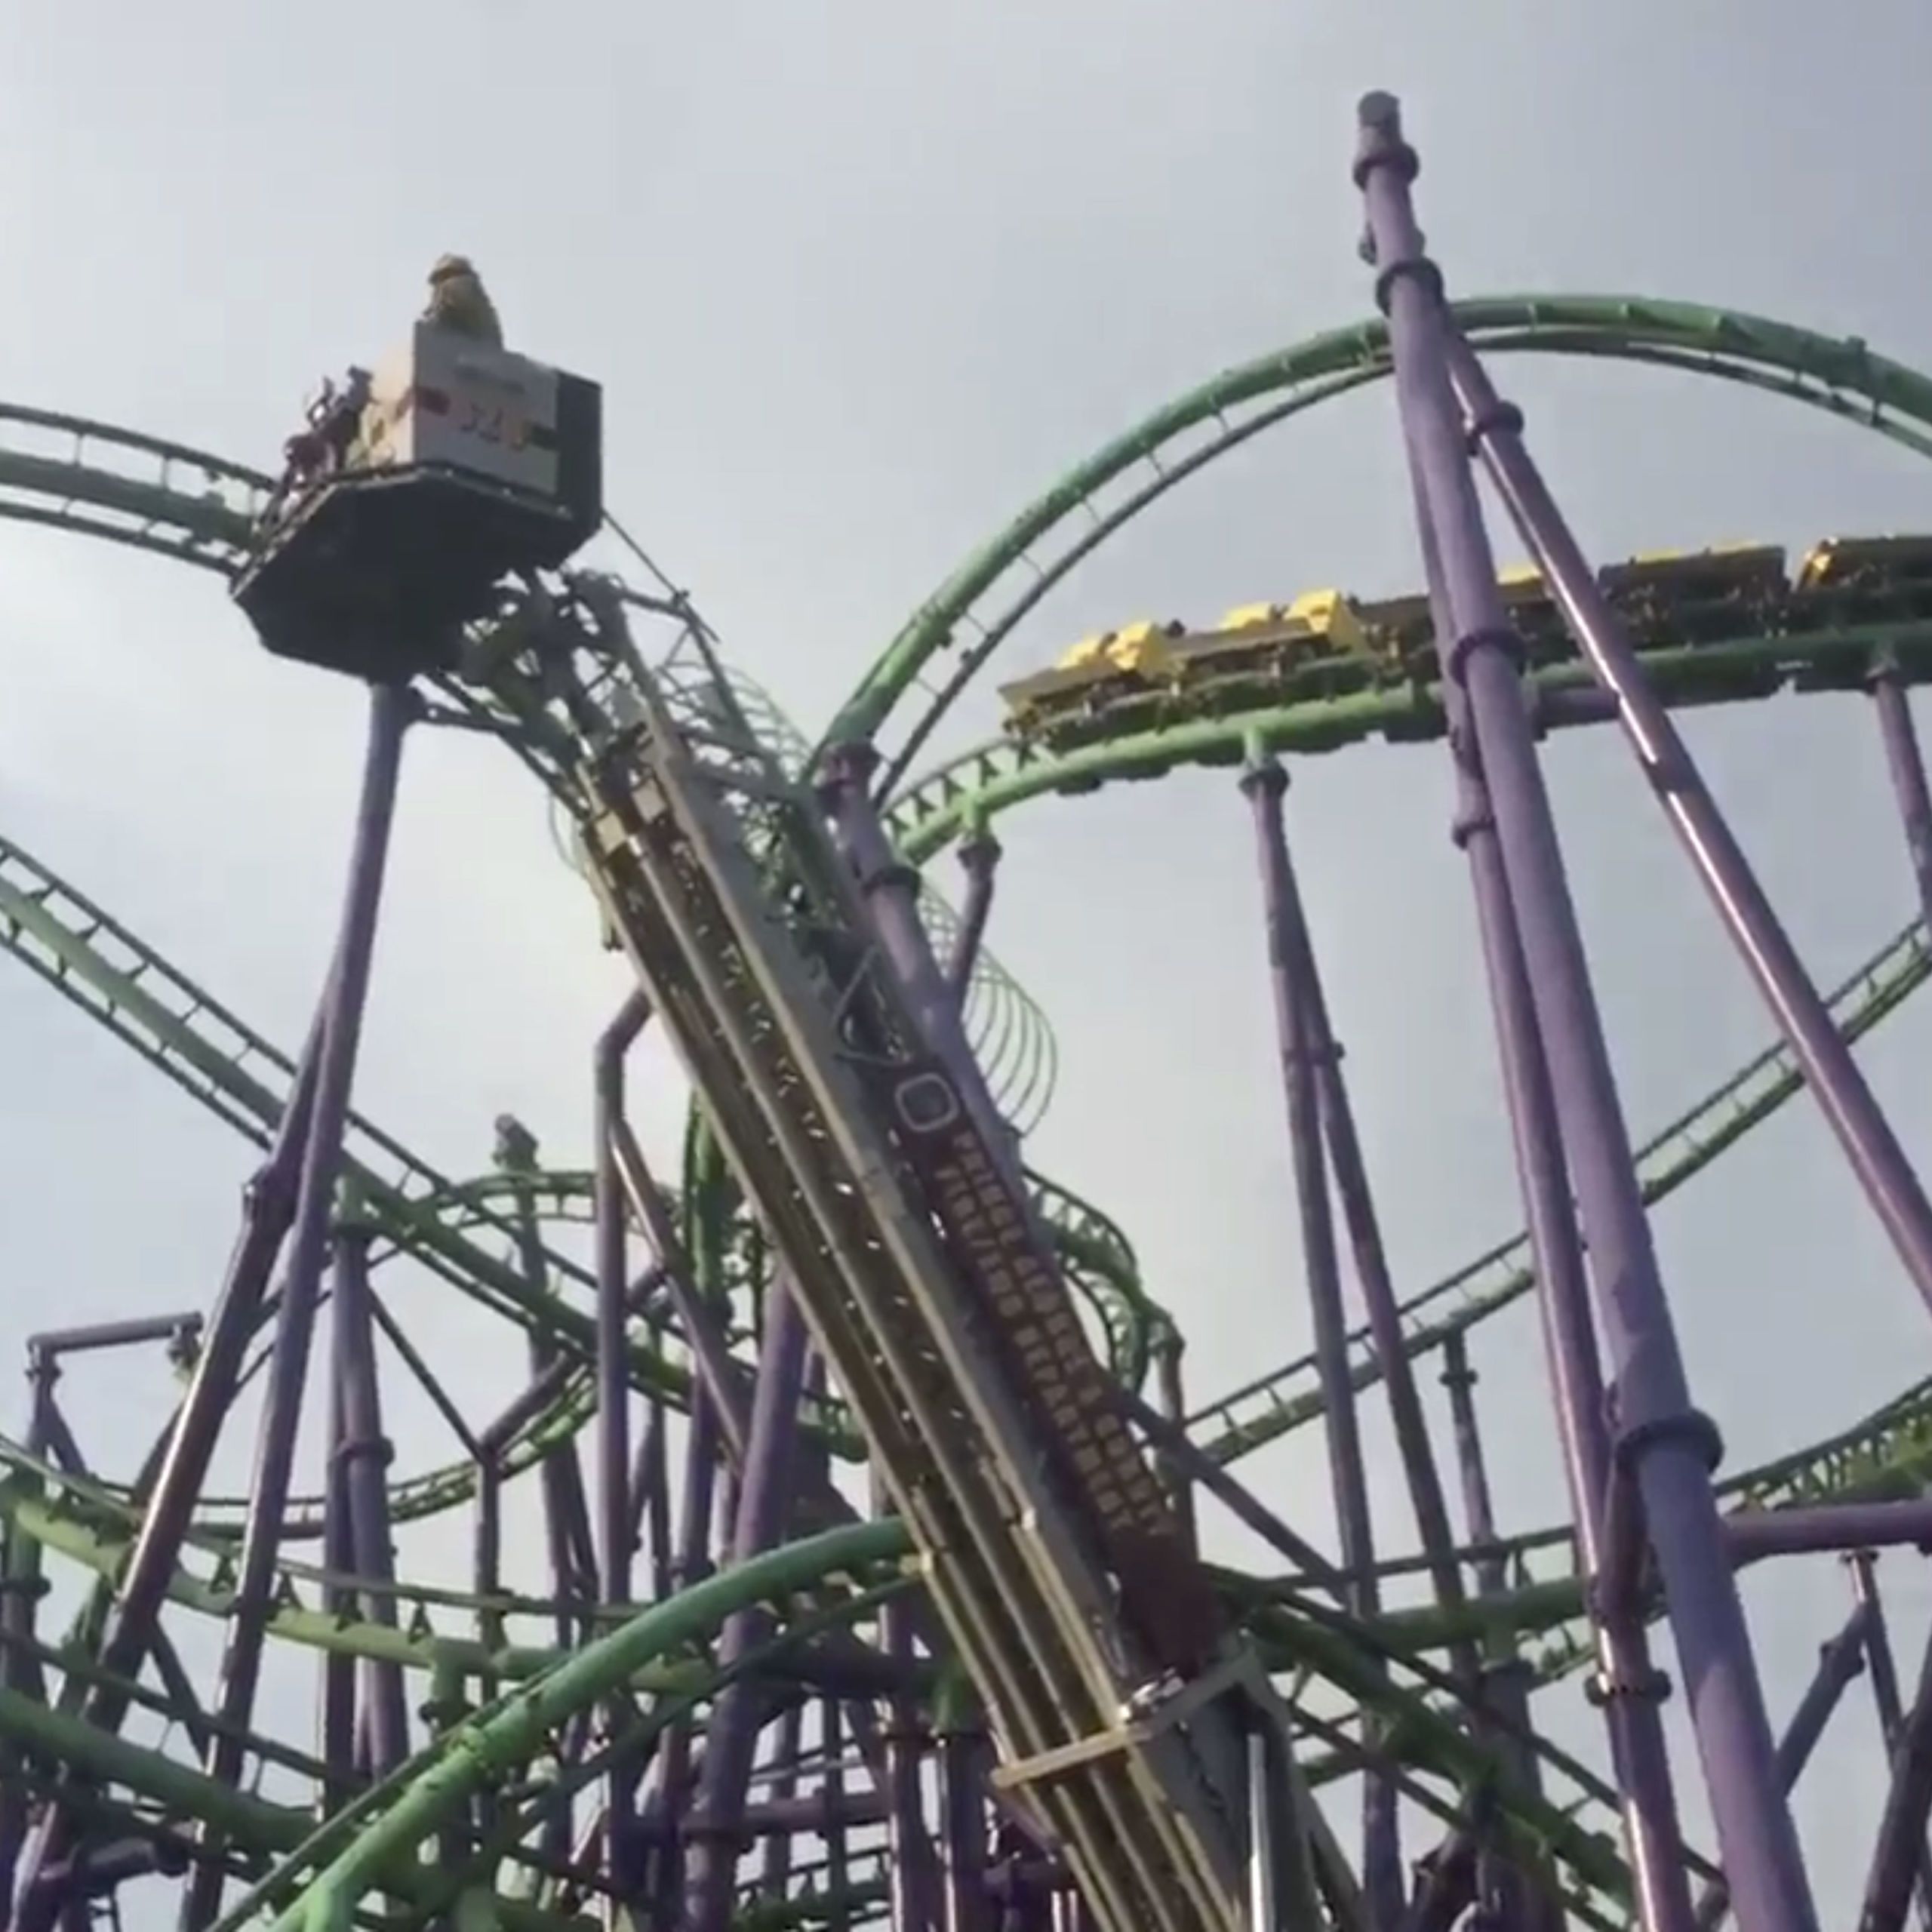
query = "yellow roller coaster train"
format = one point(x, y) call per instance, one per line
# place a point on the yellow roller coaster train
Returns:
point(1326, 643)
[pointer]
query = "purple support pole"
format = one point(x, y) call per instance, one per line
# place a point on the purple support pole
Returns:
point(1896, 1859)
point(1169, 1345)
point(1833, 1076)
point(1839, 1662)
point(390, 710)
point(671, 1769)
point(613, 1391)
point(1627, 1686)
point(915, 1879)
point(336, 1717)
point(1382, 1858)
point(1668, 1445)
point(837, 1839)
point(490, 1445)
point(1885, 1689)
point(613, 1286)
point(365, 1454)
point(649, 1485)
point(704, 1333)
point(486, 1574)
point(702, 1454)
point(560, 1475)
point(1459, 1378)
point(1267, 783)
point(268, 1208)
point(965, 1757)
point(1907, 767)
point(19, 1669)
point(775, 1820)
point(978, 855)
point(891, 892)
point(183, 1332)
point(784, 1782)
point(1755, 1534)
point(1508, 1901)
point(25, 1561)
point(1345, 1468)
point(650, 1497)
point(715, 1829)
point(1174, 1444)
point(62, 1448)
point(1445, 1885)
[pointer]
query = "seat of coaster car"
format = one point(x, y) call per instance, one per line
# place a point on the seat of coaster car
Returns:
point(410, 495)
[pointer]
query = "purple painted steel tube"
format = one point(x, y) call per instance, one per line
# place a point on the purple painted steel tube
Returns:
point(1505, 1679)
point(1382, 1857)
point(1169, 1345)
point(1459, 1378)
point(1907, 768)
point(1669, 1448)
point(1896, 1857)
point(915, 1879)
point(62, 1449)
point(837, 1839)
point(1618, 1577)
point(336, 1718)
point(58, 1342)
point(613, 1390)
point(613, 1285)
point(891, 891)
point(1172, 1443)
point(567, 1528)
point(775, 1818)
point(536, 1395)
point(1839, 1662)
point(1267, 783)
point(490, 1443)
point(1627, 1686)
point(1885, 1689)
point(1345, 1468)
point(703, 1333)
point(698, 1503)
point(1445, 1884)
point(777, 1865)
point(1877, 1157)
point(20, 1669)
point(389, 711)
point(965, 1756)
point(1755, 1534)
point(268, 1208)
point(649, 1477)
point(650, 1497)
point(978, 856)
point(365, 1454)
point(670, 1771)
point(715, 1829)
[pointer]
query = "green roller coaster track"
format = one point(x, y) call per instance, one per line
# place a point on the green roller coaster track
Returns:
point(197, 509)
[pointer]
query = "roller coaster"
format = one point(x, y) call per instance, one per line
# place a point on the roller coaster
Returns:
point(870, 1579)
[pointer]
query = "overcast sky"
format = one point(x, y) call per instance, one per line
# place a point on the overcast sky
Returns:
point(861, 279)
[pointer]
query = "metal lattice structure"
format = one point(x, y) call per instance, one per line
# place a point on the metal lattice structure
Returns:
point(866, 1578)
